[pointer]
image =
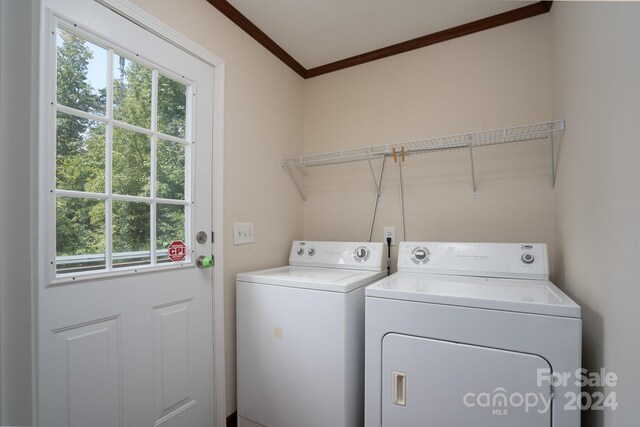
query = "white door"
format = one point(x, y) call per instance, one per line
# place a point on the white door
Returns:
point(124, 324)
point(434, 383)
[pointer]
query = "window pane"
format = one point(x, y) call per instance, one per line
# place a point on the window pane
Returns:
point(131, 234)
point(171, 170)
point(131, 92)
point(80, 146)
point(81, 73)
point(170, 227)
point(172, 107)
point(80, 237)
point(131, 163)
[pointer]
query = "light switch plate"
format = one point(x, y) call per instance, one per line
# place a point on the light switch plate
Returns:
point(243, 233)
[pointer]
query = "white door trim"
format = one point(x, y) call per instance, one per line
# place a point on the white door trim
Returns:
point(143, 19)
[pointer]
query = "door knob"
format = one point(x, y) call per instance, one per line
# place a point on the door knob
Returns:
point(204, 262)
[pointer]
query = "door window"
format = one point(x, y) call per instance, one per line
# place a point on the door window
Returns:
point(122, 158)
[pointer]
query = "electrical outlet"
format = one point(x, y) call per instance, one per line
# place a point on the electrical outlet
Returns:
point(243, 233)
point(389, 232)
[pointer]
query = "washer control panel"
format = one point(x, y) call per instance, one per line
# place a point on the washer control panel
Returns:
point(514, 260)
point(349, 255)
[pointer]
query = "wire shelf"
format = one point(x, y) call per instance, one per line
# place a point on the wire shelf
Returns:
point(529, 132)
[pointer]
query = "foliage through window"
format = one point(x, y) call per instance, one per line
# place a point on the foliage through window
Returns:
point(122, 158)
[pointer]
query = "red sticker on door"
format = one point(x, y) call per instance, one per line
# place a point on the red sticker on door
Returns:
point(177, 251)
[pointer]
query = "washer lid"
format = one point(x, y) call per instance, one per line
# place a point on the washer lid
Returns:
point(318, 278)
point(525, 296)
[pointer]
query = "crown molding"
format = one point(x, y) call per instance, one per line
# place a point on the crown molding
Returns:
point(449, 34)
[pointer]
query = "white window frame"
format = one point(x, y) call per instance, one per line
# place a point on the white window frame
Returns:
point(55, 23)
point(167, 33)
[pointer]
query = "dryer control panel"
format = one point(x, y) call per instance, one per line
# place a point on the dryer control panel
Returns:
point(349, 255)
point(511, 260)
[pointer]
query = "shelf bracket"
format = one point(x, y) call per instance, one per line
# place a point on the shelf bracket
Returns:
point(474, 189)
point(376, 199)
point(553, 156)
point(376, 183)
point(292, 174)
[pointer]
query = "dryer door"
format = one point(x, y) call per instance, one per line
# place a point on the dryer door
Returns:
point(434, 383)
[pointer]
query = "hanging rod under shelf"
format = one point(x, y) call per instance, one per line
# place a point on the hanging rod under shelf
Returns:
point(476, 139)
point(467, 141)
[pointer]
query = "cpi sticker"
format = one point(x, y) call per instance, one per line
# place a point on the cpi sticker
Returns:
point(177, 251)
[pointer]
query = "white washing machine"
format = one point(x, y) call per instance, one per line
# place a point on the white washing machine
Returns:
point(469, 335)
point(300, 337)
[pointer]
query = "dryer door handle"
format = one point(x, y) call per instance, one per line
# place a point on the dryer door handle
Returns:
point(399, 388)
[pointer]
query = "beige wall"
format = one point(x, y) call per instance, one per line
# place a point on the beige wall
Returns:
point(596, 87)
point(500, 77)
point(263, 124)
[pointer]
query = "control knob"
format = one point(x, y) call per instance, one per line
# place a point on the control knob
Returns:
point(361, 254)
point(421, 255)
point(527, 258)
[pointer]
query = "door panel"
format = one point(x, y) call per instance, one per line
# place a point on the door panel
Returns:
point(125, 334)
point(171, 357)
point(86, 362)
point(436, 383)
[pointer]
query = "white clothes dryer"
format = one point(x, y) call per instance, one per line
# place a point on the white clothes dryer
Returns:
point(469, 334)
point(300, 336)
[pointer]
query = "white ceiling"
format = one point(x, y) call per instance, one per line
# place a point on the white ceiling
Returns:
point(317, 32)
